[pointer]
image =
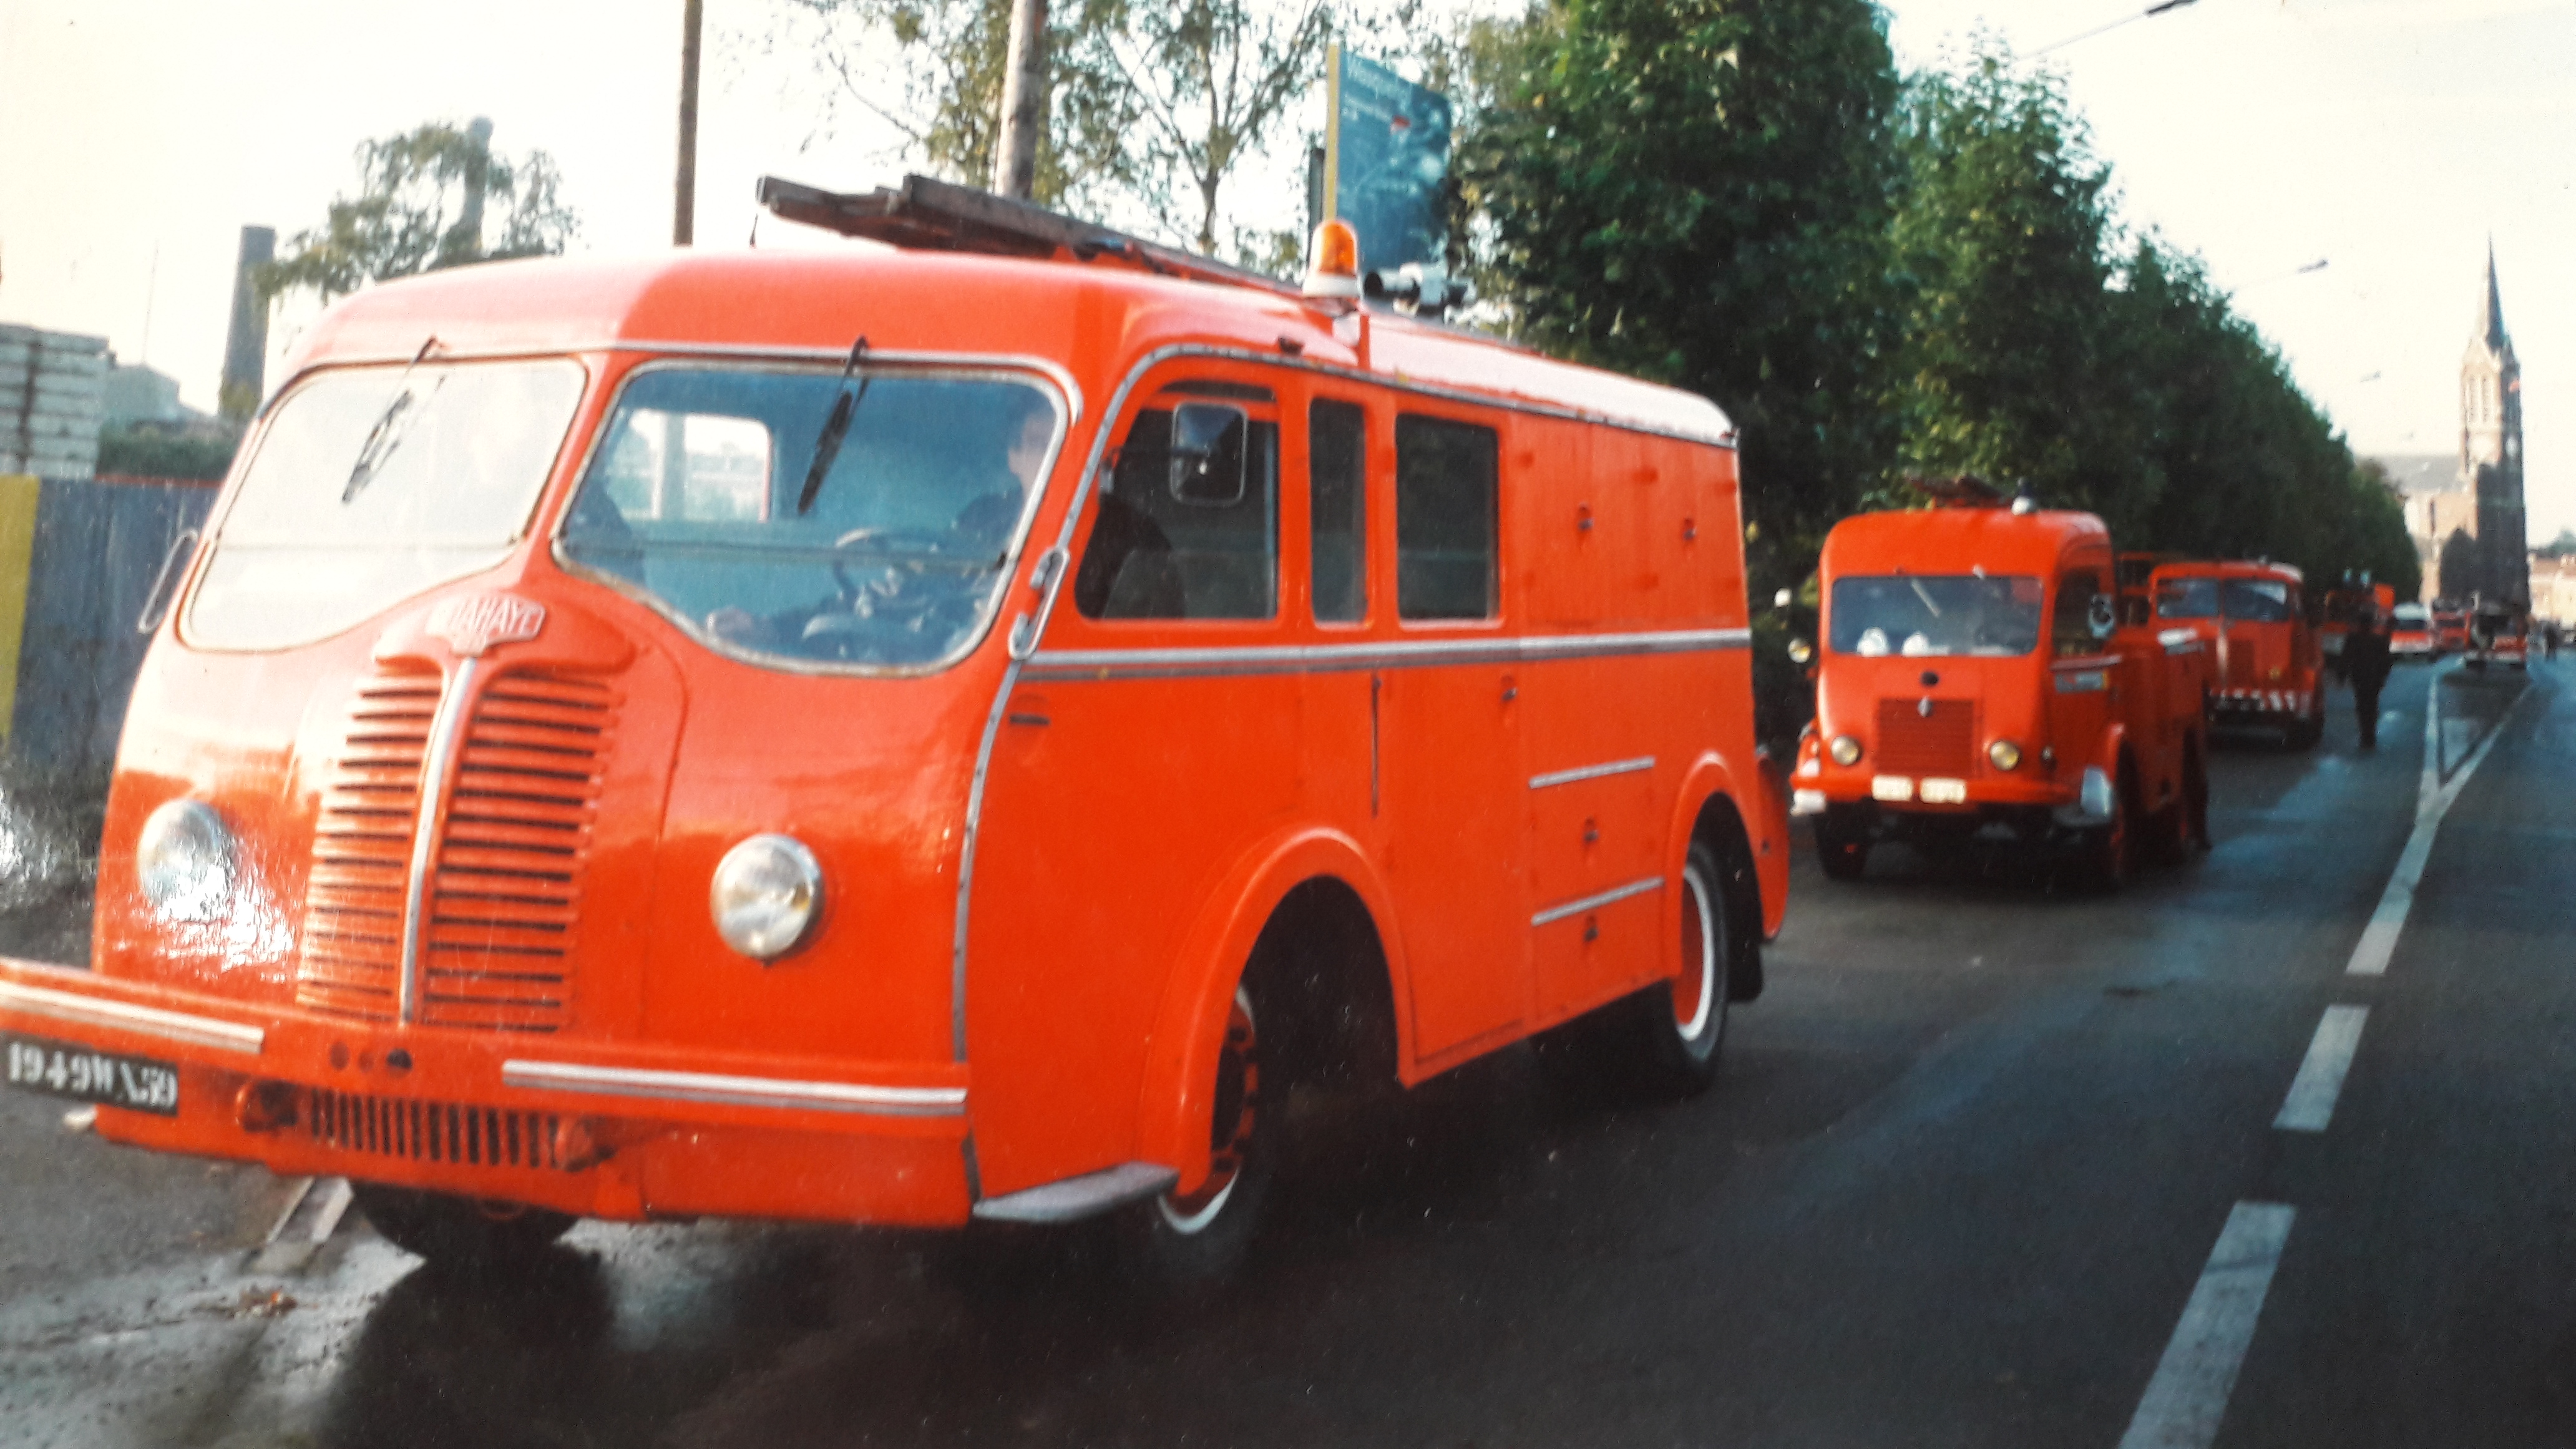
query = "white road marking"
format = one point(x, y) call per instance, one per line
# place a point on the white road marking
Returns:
point(2311, 1103)
point(2433, 797)
point(2188, 1396)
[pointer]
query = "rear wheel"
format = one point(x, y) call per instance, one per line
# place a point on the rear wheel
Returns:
point(1663, 1041)
point(1842, 844)
point(2195, 794)
point(1181, 1241)
point(460, 1232)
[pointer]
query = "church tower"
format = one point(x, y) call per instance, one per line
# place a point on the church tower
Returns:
point(2491, 449)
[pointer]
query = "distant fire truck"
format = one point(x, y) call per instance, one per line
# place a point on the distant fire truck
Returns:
point(1975, 683)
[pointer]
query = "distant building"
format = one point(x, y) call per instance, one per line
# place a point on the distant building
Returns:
point(135, 393)
point(49, 401)
point(2553, 589)
point(2476, 494)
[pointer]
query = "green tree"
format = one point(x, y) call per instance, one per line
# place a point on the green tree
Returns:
point(1211, 79)
point(411, 214)
point(1700, 193)
point(946, 98)
point(2016, 365)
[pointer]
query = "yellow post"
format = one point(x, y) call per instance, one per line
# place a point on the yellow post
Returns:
point(18, 495)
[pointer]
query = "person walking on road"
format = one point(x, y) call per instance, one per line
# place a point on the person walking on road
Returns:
point(2365, 658)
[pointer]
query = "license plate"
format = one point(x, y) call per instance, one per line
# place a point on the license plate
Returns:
point(137, 1084)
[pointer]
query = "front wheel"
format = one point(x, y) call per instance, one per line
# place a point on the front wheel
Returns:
point(1842, 845)
point(459, 1232)
point(1183, 1241)
point(2102, 854)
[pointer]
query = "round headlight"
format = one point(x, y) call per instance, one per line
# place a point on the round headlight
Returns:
point(1845, 750)
point(765, 895)
point(2005, 754)
point(184, 861)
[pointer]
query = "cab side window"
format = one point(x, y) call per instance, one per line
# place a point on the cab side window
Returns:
point(1187, 524)
point(1337, 498)
point(1446, 562)
point(2072, 626)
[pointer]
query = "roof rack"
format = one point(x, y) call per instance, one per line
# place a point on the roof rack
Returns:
point(923, 214)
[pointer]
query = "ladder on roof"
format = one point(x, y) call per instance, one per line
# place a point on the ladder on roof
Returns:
point(923, 214)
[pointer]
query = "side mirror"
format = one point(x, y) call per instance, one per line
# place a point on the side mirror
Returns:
point(1208, 454)
point(2102, 616)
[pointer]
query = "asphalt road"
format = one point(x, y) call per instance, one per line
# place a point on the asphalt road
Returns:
point(1965, 1182)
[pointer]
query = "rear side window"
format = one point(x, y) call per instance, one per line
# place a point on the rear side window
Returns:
point(1187, 524)
point(2085, 615)
point(1445, 551)
point(1337, 462)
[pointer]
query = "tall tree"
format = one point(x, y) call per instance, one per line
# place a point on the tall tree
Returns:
point(2016, 365)
point(436, 196)
point(1211, 79)
point(946, 97)
point(1700, 191)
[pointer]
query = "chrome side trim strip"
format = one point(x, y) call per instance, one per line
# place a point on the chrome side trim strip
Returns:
point(775, 1092)
point(1592, 772)
point(1389, 654)
point(181, 1026)
point(1076, 1198)
point(1594, 903)
point(437, 762)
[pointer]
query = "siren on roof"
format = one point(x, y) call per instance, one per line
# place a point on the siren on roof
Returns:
point(1335, 271)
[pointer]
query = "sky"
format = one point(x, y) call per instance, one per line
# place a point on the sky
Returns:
point(2391, 139)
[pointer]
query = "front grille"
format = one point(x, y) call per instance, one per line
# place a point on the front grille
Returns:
point(505, 882)
point(362, 839)
point(506, 888)
point(1942, 744)
point(431, 1131)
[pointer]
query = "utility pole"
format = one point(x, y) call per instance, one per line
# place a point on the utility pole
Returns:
point(684, 209)
point(1024, 102)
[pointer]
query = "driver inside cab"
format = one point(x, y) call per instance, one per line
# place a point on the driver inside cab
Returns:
point(861, 520)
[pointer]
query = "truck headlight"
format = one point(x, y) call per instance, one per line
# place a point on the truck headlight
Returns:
point(765, 895)
point(1845, 750)
point(2004, 755)
point(185, 861)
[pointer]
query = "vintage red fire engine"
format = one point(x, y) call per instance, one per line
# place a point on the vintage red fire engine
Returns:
point(1975, 684)
point(2268, 666)
point(908, 735)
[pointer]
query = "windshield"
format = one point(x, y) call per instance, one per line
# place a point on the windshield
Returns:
point(693, 492)
point(373, 485)
point(2258, 601)
point(1936, 614)
point(2191, 598)
point(2411, 616)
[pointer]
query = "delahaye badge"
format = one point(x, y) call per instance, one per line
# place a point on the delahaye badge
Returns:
point(476, 622)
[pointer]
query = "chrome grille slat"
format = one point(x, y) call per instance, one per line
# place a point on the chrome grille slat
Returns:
point(431, 1131)
point(501, 905)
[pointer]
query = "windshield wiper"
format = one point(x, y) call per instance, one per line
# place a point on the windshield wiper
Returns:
point(836, 428)
point(387, 434)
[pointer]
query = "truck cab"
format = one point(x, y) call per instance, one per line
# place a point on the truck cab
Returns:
point(2266, 661)
point(1975, 684)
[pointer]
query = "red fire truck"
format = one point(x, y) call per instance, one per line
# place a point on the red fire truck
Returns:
point(912, 734)
point(1975, 683)
point(2267, 665)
